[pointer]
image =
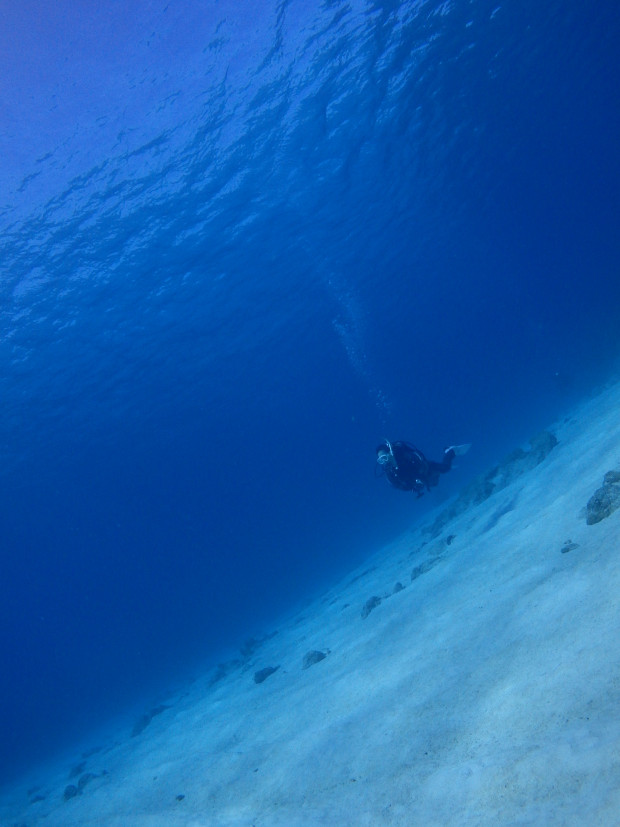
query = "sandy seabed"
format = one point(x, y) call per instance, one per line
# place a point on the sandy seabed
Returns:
point(467, 674)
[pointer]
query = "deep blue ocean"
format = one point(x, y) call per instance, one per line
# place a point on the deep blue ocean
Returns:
point(241, 242)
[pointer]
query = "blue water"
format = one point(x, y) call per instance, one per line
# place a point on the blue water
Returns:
point(240, 243)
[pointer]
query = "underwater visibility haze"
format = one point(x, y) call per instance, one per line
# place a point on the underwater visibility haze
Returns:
point(241, 243)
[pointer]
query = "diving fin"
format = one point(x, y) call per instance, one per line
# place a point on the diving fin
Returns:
point(459, 450)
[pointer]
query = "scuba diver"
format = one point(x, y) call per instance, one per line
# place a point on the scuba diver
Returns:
point(408, 469)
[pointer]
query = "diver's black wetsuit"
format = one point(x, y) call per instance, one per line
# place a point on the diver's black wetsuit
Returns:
point(413, 472)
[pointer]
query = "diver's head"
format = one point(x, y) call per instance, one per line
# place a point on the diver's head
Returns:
point(384, 453)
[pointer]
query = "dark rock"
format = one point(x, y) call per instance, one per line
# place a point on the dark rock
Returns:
point(144, 720)
point(569, 546)
point(603, 503)
point(541, 446)
point(84, 779)
point(427, 565)
point(249, 647)
point(611, 477)
point(222, 670)
point(514, 465)
point(312, 657)
point(359, 576)
point(263, 674)
point(252, 644)
point(398, 587)
point(520, 462)
point(141, 724)
point(476, 492)
point(70, 792)
point(77, 770)
point(369, 605)
point(36, 798)
point(450, 538)
point(180, 797)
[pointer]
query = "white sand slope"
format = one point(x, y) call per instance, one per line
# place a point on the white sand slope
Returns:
point(485, 692)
